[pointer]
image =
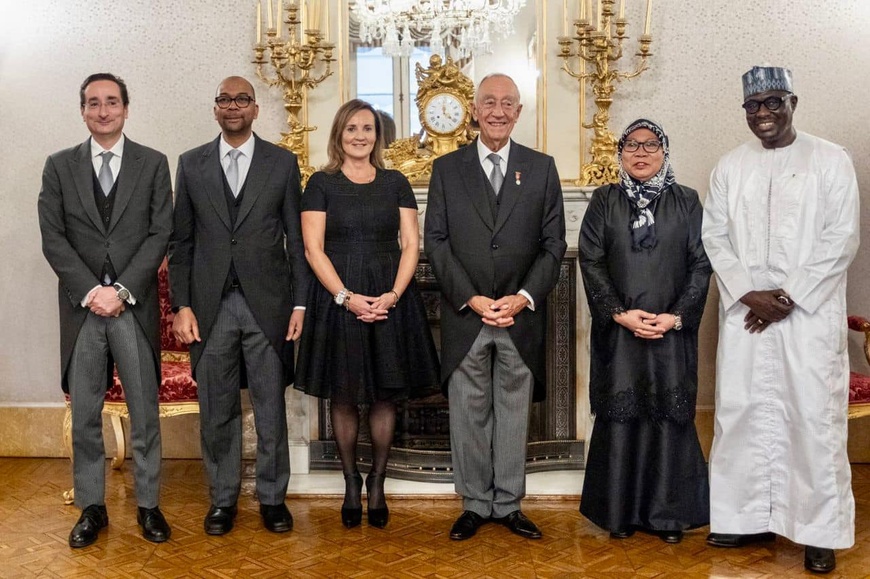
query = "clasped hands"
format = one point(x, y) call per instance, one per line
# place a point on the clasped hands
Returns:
point(498, 313)
point(104, 301)
point(765, 307)
point(186, 328)
point(644, 324)
point(371, 309)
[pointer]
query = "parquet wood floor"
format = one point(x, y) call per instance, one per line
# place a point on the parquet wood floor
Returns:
point(34, 525)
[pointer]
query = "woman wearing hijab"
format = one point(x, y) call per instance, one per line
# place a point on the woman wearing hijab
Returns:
point(646, 277)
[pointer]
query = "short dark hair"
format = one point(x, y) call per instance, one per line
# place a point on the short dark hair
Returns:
point(125, 97)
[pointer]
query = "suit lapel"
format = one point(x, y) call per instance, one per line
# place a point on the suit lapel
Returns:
point(131, 167)
point(213, 177)
point(517, 173)
point(255, 182)
point(83, 171)
point(472, 174)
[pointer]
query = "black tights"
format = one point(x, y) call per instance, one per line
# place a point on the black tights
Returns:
point(345, 427)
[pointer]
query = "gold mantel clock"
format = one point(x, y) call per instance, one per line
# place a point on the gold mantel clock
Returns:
point(444, 97)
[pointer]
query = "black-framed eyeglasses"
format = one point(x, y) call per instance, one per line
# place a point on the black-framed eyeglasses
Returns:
point(648, 146)
point(770, 103)
point(242, 101)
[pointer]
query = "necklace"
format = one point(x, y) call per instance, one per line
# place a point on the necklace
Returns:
point(363, 177)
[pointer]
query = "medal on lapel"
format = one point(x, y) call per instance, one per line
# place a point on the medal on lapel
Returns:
point(518, 176)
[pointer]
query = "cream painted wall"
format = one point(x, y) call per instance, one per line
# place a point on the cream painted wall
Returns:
point(172, 55)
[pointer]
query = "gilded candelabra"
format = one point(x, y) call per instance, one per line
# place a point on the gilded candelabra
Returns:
point(295, 62)
point(599, 43)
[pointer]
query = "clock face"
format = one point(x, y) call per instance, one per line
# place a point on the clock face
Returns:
point(444, 113)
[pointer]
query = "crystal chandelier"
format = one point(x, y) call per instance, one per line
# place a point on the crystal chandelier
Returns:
point(467, 24)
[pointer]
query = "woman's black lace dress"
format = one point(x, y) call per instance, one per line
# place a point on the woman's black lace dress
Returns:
point(645, 467)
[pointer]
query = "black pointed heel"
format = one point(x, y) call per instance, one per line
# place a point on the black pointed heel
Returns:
point(379, 516)
point(352, 516)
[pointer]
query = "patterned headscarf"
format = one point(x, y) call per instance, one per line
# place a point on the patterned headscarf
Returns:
point(643, 195)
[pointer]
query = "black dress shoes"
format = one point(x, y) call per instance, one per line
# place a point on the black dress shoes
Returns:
point(219, 520)
point(154, 526)
point(729, 540)
point(87, 529)
point(819, 560)
point(466, 526)
point(277, 518)
point(521, 525)
point(671, 537)
point(621, 533)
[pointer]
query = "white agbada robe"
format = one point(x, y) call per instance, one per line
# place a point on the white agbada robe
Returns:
point(783, 218)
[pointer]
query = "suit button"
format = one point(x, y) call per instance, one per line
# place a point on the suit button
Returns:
point(233, 242)
point(494, 246)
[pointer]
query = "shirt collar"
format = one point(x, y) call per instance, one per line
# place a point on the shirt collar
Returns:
point(483, 151)
point(117, 149)
point(247, 148)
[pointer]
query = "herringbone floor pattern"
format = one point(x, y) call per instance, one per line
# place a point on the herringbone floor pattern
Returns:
point(34, 525)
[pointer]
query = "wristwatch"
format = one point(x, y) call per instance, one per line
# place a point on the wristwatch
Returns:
point(341, 296)
point(123, 293)
point(678, 322)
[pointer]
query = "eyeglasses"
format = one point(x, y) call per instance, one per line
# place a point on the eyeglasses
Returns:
point(770, 103)
point(648, 146)
point(242, 101)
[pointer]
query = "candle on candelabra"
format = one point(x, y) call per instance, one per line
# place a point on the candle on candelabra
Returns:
point(259, 22)
point(622, 9)
point(648, 16)
point(583, 10)
point(279, 17)
point(269, 14)
point(326, 21)
point(598, 23)
point(564, 17)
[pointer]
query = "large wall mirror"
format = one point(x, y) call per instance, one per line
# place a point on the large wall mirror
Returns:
point(391, 85)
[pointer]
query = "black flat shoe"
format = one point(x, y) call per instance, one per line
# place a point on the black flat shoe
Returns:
point(87, 529)
point(621, 534)
point(276, 518)
point(729, 540)
point(466, 526)
point(521, 525)
point(671, 537)
point(154, 525)
point(819, 560)
point(219, 520)
point(352, 516)
point(377, 516)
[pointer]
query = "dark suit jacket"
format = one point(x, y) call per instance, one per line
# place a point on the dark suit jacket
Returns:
point(473, 255)
point(75, 243)
point(265, 245)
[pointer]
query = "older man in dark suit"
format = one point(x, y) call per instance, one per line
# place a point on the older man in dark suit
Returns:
point(105, 211)
point(495, 236)
point(236, 268)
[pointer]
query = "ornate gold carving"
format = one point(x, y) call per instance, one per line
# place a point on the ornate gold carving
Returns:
point(294, 61)
point(600, 44)
point(414, 156)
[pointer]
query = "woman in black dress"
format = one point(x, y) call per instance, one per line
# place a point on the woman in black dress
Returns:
point(366, 339)
point(646, 277)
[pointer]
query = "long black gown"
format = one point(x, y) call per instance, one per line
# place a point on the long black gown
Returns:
point(340, 357)
point(645, 467)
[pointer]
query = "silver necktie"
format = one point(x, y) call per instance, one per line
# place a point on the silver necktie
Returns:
point(496, 177)
point(105, 177)
point(233, 171)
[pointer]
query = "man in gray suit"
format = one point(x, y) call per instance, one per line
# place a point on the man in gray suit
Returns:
point(105, 212)
point(236, 269)
point(495, 236)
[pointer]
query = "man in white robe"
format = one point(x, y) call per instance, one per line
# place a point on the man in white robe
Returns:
point(780, 228)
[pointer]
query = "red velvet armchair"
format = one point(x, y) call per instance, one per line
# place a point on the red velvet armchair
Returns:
point(859, 384)
point(177, 393)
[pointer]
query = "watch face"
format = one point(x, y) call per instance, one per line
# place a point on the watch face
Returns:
point(444, 113)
